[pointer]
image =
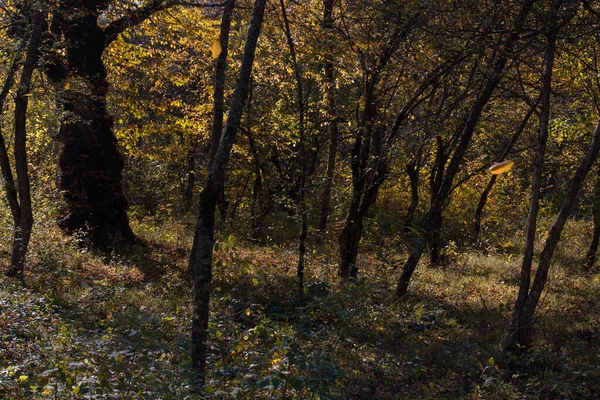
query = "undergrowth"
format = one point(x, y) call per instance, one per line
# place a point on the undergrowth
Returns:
point(93, 326)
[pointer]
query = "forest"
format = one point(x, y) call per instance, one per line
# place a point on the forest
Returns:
point(299, 199)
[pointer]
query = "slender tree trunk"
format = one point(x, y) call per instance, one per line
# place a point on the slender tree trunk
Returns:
point(332, 126)
point(7, 175)
point(190, 183)
point(22, 232)
point(486, 192)
point(220, 76)
point(219, 96)
point(437, 174)
point(591, 254)
point(520, 331)
point(516, 328)
point(480, 206)
point(412, 170)
point(201, 255)
point(218, 112)
point(433, 217)
point(303, 214)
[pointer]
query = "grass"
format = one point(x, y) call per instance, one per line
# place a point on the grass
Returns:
point(94, 326)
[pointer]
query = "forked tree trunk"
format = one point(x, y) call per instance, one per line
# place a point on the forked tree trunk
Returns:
point(90, 164)
point(201, 255)
point(24, 217)
point(218, 111)
point(520, 329)
point(520, 332)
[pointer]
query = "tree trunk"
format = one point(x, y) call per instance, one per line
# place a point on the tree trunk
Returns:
point(520, 329)
point(520, 333)
point(90, 164)
point(591, 254)
point(437, 174)
point(480, 206)
point(7, 175)
point(333, 117)
point(24, 219)
point(303, 214)
point(412, 170)
point(350, 239)
point(435, 212)
point(201, 255)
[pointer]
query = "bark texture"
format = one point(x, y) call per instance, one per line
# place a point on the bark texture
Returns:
point(201, 256)
point(520, 332)
point(22, 212)
point(90, 163)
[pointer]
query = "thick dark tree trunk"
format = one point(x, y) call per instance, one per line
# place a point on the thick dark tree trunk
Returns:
point(590, 258)
point(90, 163)
point(333, 117)
point(520, 333)
point(201, 255)
point(24, 217)
point(433, 217)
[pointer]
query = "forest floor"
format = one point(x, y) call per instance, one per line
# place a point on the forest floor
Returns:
point(92, 326)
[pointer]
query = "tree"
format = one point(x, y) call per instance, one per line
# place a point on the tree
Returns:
point(433, 219)
point(368, 153)
point(520, 329)
point(201, 255)
point(90, 163)
point(19, 197)
point(332, 114)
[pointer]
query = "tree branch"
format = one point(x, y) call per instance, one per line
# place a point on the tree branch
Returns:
point(135, 17)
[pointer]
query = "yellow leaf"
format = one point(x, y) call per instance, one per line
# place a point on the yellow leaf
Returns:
point(276, 358)
point(502, 167)
point(216, 49)
point(67, 85)
point(218, 335)
point(23, 378)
